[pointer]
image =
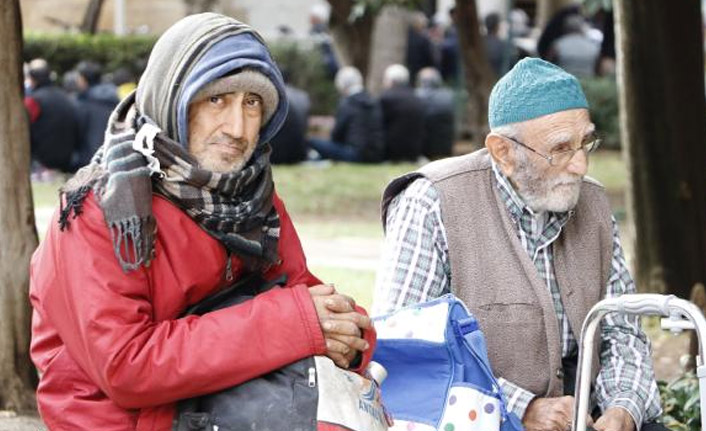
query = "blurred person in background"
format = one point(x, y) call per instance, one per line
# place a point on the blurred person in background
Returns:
point(555, 29)
point(69, 82)
point(357, 134)
point(96, 101)
point(449, 52)
point(319, 33)
point(289, 144)
point(575, 51)
point(54, 127)
point(438, 101)
point(500, 51)
point(124, 80)
point(402, 116)
point(420, 49)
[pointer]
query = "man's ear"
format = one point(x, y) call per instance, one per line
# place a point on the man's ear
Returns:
point(502, 152)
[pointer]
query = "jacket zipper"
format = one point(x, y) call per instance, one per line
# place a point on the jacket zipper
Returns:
point(229, 267)
point(312, 377)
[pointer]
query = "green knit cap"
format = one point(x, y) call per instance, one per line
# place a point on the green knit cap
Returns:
point(532, 89)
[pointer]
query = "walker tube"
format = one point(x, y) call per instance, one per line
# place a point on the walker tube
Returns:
point(640, 304)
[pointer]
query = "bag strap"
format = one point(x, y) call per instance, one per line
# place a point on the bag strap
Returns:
point(246, 288)
point(466, 329)
point(249, 286)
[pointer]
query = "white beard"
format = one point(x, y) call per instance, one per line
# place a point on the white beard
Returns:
point(557, 194)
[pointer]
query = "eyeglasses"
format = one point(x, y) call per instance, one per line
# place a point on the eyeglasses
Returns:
point(560, 156)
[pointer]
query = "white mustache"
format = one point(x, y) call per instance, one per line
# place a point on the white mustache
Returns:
point(238, 143)
point(566, 181)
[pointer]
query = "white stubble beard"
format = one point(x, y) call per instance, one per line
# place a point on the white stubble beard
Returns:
point(557, 194)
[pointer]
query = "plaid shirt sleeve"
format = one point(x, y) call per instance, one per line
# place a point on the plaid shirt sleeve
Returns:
point(414, 263)
point(517, 399)
point(626, 378)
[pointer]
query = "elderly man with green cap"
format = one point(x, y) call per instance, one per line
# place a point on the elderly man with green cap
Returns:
point(179, 203)
point(528, 242)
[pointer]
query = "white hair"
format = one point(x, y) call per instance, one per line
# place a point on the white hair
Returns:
point(429, 77)
point(419, 21)
point(349, 80)
point(396, 74)
point(320, 11)
point(512, 130)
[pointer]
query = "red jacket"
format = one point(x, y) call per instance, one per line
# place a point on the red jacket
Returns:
point(110, 347)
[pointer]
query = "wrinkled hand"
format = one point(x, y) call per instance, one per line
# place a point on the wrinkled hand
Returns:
point(550, 414)
point(615, 419)
point(341, 324)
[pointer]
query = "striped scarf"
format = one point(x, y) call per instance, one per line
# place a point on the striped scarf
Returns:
point(136, 159)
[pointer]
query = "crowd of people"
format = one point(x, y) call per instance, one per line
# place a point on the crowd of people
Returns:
point(402, 125)
point(416, 115)
point(67, 120)
point(415, 118)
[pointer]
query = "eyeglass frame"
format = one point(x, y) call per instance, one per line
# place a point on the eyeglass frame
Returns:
point(595, 143)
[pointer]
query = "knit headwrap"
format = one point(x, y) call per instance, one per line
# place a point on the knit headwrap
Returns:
point(250, 81)
point(145, 150)
point(532, 89)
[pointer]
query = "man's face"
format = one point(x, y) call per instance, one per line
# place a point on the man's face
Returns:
point(542, 186)
point(224, 130)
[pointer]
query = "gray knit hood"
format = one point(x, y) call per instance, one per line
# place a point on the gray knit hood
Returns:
point(193, 53)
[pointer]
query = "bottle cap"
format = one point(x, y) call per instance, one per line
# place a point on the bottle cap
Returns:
point(377, 372)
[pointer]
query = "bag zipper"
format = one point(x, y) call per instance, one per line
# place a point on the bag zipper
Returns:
point(312, 377)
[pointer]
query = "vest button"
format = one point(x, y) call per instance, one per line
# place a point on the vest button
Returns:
point(560, 373)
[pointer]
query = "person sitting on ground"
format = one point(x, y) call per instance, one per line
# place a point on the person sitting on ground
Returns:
point(53, 119)
point(402, 116)
point(438, 102)
point(179, 203)
point(528, 242)
point(501, 53)
point(357, 131)
point(421, 51)
point(96, 101)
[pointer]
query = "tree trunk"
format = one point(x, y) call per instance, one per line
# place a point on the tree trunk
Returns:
point(663, 130)
point(91, 16)
point(546, 10)
point(18, 234)
point(390, 42)
point(479, 76)
point(351, 39)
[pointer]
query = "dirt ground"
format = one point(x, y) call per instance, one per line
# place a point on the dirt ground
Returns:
point(10, 421)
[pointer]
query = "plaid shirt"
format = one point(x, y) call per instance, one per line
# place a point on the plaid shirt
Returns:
point(415, 268)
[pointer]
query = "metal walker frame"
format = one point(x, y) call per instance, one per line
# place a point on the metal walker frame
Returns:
point(677, 315)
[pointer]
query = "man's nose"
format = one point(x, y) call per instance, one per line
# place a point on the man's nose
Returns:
point(233, 121)
point(578, 164)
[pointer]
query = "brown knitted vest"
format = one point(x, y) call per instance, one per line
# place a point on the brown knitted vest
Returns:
point(493, 275)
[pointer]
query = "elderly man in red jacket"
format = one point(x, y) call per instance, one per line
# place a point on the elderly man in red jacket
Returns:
point(178, 203)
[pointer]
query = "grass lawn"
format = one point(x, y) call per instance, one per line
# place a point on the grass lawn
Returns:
point(336, 191)
point(356, 283)
point(352, 192)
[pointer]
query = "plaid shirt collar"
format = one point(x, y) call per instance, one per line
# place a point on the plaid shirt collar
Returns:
point(533, 225)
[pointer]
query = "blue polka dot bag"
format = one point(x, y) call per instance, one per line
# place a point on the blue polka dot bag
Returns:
point(438, 373)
